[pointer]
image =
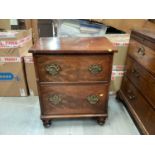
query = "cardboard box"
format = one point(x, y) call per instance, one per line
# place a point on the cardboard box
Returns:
point(13, 46)
point(15, 43)
point(5, 24)
point(30, 75)
point(12, 77)
point(116, 81)
point(121, 41)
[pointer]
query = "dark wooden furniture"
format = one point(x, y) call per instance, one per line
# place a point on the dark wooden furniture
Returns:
point(138, 85)
point(45, 28)
point(73, 76)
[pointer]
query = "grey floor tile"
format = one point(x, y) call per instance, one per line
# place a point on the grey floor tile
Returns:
point(21, 116)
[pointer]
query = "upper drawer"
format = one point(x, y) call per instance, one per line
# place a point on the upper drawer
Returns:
point(143, 80)
point(69, 68)
point(144, 55)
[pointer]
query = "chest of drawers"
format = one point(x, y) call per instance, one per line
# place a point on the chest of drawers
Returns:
point(73, 76)
point(138, 85)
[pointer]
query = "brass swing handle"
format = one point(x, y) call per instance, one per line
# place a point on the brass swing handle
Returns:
point(130, 95)
point(55, 99)
point(94, 69)
point(53, 69)
point(93, 99)
point(135, 73)
point(141, 51)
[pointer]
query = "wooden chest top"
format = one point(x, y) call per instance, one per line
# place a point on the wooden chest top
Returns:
point(145, 37)
point(145, 33)
point(97, 45)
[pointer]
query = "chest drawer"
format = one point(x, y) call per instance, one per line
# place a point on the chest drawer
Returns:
point(74, 99)
point(143, 80)
point(143, 54)
point(144, 113)
point(73, 68)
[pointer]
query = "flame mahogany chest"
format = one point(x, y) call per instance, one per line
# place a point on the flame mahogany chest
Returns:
point(138, 85)
point(73, 77)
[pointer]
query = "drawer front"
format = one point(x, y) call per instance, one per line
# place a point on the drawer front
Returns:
point(74, 68)
point(144, 55)
point(143, 110)
point(73, 99)
point(143, 80)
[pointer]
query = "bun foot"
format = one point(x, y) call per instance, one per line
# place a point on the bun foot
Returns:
point(101, 120)
point(47, 123)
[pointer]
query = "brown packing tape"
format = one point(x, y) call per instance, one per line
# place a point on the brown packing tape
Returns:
point(15, 43)
point(20, 51)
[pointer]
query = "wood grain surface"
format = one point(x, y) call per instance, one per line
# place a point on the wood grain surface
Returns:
point(147, 59)
point(142, 80)
point(138, 85)
point(73, 45)
point(74, 68)
point(74, 99)
point(143, 113)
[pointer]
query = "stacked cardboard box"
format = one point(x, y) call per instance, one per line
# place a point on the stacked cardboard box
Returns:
point(121, 41)
point(5, 24)
point(13, 46)
point(30, 74)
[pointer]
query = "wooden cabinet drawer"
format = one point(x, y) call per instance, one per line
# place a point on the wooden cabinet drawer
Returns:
point(139, 107)
point(142, 54)
point(143, 80)
point(74, 68)
point(61, 99)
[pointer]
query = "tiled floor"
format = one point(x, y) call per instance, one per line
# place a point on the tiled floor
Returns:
point(21, 115)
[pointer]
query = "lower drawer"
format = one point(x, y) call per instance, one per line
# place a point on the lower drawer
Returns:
point(143, 80)
point(61, 99)
point(141, 110)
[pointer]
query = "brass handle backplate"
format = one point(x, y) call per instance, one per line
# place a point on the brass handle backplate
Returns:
point(130, 96)
point(94, 69)
point(135, 73)
point(55, 99)
point(53, 69)
point(93, 99)
point(141, 51)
